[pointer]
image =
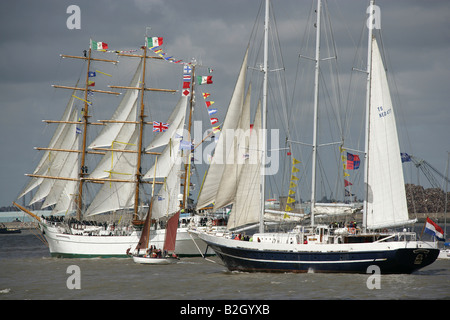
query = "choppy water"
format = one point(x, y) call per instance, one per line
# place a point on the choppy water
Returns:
point(28, 272)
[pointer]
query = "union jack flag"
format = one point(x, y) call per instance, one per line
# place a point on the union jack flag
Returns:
point(159, 126)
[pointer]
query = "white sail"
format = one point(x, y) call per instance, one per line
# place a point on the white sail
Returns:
point(166, 202)
point(175, 119)
point(211, 184)
point(123, 112)
point(57, 161)
point(47, 158)
point(169, 158)
point(247, 203)
point(119, 142)
point(235, 158)
point(386, 199)
point(118, 195)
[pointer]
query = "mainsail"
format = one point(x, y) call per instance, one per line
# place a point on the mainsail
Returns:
point(386, 196)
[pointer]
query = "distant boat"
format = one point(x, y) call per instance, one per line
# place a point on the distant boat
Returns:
point(323, 248)
point(5, 230)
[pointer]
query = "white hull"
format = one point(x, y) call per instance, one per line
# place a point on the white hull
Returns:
point(105, 246)
point(154, 261)
point(444, 254)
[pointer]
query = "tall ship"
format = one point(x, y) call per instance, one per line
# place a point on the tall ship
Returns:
point(316, 247)
point(100, 212)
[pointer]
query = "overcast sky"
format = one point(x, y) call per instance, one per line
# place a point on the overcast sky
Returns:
point(416, 35)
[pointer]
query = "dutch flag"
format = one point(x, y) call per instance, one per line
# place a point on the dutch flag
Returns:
point(433, 229)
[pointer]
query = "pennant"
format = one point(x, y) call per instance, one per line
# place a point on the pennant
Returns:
point(205, 95)
point(92, 74)
point(348, 194)
point(346, 174)
point(216, 129)
point(78, 130)
point(294, 169)
point(204, 79)
point(347, 183)
point(210, 70)
point(286, 216)
point(290, 200)
point(91, 83)
point(154, 42)
point(103, 73)
point(209, 103)
point(212, 111)
point(159, 126)
point(295, 161)
point(214, 120)
point(98, 45)
point(293, 178)
point(292, 185)
point(291, 192)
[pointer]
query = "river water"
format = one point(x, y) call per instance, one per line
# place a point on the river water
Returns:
point(27, 272)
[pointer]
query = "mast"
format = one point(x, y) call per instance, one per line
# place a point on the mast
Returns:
point(316, 106)
point(139, 150)
point(188, 156)
point(367, 130)
point(264, 114)
point(83, 170)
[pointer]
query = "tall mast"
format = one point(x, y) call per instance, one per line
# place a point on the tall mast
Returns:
point(316, 106)
point(140, 144)
point(264, 114)
point(366, 147)
point(83, 149)
point(188, 156)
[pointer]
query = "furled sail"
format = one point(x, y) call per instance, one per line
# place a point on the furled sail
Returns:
point(211, 184)
point(386, 198)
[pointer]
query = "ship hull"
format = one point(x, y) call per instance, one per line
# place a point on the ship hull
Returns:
point(63, 245)
point(391, 258)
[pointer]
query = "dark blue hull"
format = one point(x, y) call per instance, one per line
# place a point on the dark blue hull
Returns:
point(403, 260)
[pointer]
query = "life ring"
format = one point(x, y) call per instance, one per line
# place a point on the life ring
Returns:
point(352, 230)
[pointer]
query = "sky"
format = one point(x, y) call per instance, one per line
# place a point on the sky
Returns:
point(33, 34)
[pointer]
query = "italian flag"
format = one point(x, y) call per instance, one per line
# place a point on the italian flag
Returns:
point(154, 42)
point(204, 79)
point(98, 45)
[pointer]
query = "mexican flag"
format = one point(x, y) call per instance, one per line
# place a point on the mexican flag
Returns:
point(154, 42)
point(204, 79)
point(98, 45)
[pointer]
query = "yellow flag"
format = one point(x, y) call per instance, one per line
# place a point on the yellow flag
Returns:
point(286, 216)
point(292, 185)
point(290, 200)
point(288, 208)
point(293, 177)
point(291, 192)
point(346, 174)
point(294, 169)
point(295, 161)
